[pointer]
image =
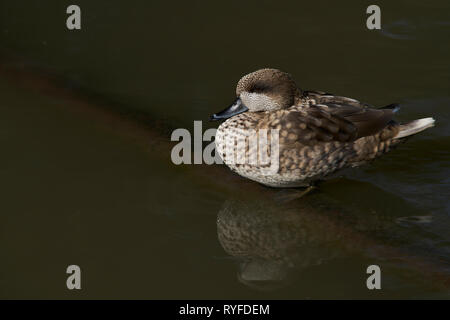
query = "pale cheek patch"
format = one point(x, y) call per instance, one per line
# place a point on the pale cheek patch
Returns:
point(258, 101)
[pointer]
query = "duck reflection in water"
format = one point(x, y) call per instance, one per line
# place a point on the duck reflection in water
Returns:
point(272, 242)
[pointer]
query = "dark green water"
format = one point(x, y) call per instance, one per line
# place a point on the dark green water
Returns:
point(85, 161)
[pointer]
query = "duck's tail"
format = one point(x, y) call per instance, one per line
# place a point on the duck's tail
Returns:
point(413, 127)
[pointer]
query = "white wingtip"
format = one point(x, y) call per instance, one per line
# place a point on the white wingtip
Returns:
point(414, 127)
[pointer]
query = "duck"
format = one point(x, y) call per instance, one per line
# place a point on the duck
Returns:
point(281, 136)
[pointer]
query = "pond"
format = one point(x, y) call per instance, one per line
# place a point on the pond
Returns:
point(87, 177)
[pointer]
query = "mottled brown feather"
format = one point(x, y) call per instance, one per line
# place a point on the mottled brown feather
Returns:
point(329, 122)
point(368, 121)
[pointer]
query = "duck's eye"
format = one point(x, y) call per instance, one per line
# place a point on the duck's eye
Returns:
point(259, 88)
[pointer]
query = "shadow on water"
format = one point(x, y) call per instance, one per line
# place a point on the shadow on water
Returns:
point(275, 241)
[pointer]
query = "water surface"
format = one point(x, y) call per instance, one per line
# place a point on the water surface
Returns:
point(86, 171)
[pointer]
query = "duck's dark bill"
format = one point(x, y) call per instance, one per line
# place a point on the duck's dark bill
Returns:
point(236, 108)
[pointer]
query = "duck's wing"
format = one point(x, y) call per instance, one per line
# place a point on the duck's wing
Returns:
point(329, 122)
point(321, 97)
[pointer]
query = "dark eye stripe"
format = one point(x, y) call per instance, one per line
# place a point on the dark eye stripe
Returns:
point(259, 87)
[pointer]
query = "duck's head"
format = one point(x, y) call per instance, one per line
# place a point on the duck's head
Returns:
point(262, 90)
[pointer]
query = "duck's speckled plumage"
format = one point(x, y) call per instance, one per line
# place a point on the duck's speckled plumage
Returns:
point(319, 133)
